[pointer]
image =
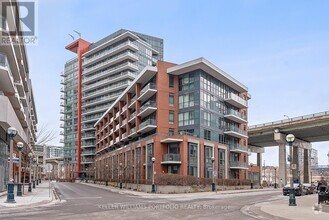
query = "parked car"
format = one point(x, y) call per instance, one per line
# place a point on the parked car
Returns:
point(299, 189)
point(309, 187)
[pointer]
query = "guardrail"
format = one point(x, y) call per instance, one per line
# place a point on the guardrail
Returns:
point(290, 120)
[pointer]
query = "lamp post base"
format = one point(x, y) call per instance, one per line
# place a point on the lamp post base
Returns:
point(106, 183)
point(30, 187)
point(251, 185)
point(37, 182)
point(120, 185)
point(153, 188)
point(33, 184)
point(213, 187)
point(19, 189)
point(10, 193)
point(292, 198)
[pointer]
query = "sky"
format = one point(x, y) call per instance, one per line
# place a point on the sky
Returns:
point(278, 49)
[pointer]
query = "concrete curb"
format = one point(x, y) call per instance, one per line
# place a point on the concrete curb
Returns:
point(131, 192)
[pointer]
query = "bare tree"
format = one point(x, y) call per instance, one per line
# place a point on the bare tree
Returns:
point(45, 134)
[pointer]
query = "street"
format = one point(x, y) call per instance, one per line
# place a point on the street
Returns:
point(80, 201)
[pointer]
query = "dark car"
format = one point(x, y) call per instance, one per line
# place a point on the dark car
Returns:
point(309, 187)
point(299, 189)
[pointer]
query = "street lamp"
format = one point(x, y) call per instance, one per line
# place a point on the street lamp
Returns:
point(290, 138)
point(20, 146)
point(34, 161)
point(153, 186)
point(120, 175)
point(30, 155)
point(12, 132)
point(252, 176)
point(87, 175)
point(275, 178)
point(213, 186)
point(107, 175)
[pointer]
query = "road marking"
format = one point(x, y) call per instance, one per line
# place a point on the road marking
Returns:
point(95, 197)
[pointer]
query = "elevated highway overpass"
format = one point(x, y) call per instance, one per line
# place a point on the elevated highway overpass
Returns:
point(307, 129)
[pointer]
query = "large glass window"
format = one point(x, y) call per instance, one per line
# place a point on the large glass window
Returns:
point(186, 118)
point(171, 117)
point(186, 82)
point(171, 99)
point(221, 163)
point(149, 160)
point(186, 100)
point(207, 161)
point(192, 159)
point(207, 134)
point(171, 81)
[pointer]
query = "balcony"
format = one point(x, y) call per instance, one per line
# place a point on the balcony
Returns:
point(117, 115)
point(235, 100)
point(111, 142)
point(61, 125)
point(108, 89)
point(235, 116)
point(108, 52)
point(110, 62)
point(85, 161)
point(110, 71)
point(132, 118)
point(147, 92)
point(117, 127)
point(132, 103)
point(237, 148)
point(62, 111)
point(147, 126)
point(171, 159)
point(88, 136)
point(62, 81)
point(124, 122)
point(61, 133)
point(87, 152)
point(146, 109)
point(124, 108)
point(117, 140)
point(61, 141)
point(238, 165)
point(124, 137)
point(62, 104)
point(62, 89)
point(62, 118)
point(132, 132)
point(235, 132)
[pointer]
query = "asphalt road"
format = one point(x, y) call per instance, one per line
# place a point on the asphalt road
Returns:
point(87, 202)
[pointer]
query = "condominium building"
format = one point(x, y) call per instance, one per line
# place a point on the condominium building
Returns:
point(17, 107)
point(92, 81)
point(182, 115)
point(54, 151)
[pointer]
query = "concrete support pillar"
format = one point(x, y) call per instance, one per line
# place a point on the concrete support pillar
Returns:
point(295, 160)
point(306, 166)
point(259, 164)
point(282, 165)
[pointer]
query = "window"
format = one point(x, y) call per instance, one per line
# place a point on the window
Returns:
point(186, 100)
point(171, 99)
point(221, 163)
point(171, 117)
point(149, 160)
point(186, 118)
point(171, 81)
point(192, 159)
point(171, 132)
point(207, 134)
point(207, 161)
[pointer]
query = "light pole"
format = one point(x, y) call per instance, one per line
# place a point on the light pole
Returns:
point(87, 176)
point(213, 186)
point(153, 186)
point(95, 173)
point(12, 132)
point(252, 176)
point(275, 178)
point(34, 161)
point(30, 155)
point(120, 175)
point(19, 184)
point(107, 175)
point(290, 138)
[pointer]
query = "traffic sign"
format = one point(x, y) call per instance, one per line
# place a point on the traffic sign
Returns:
point(15, 160)
point(49, 167)
point(215, 173)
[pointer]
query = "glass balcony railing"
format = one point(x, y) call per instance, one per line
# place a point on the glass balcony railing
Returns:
point(171, 157)
point(132, 130)
point(148, 86)
point(236, 129)
point(4, 63)
point(148, 104)
point(238, 164)
point(236, 100)
point(133, 115)
point(238, 147)
point(236, 113)
point(147, 123)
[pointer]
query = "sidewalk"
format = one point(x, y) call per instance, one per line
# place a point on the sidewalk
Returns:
point(38, 196)
point(181, 195)
point(280, 208)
